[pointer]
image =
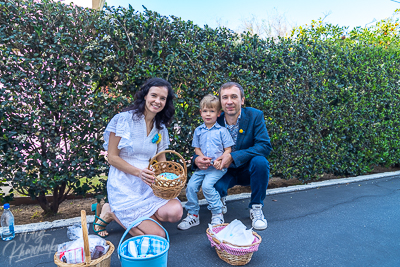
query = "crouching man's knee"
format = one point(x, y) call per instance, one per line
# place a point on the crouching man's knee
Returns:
point(259, 163)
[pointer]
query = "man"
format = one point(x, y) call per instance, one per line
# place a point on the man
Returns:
point(247, 162)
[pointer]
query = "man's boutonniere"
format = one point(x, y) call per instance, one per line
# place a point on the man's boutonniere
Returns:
point(241, 131)
point(156, 139)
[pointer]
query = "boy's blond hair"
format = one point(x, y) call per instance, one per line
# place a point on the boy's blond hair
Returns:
point(210, 101)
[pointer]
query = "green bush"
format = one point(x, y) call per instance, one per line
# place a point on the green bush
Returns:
point(51, 118)
point(330, 98)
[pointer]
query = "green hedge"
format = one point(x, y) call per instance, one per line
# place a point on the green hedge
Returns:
point(331, 105)
point(52, 118)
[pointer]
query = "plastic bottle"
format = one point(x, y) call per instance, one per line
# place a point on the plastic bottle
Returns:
point(132, 249)
point(144, 246)
point(7, 224)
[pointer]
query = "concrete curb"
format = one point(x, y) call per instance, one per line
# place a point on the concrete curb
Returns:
point(313, 185)
point(68, 222)
point(34, 227)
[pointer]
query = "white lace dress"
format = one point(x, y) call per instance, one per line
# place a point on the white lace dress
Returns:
point(129, 197)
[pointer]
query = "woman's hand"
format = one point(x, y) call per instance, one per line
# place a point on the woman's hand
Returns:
point(147, 176)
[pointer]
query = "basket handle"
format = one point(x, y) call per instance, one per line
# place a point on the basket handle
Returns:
point(139, 221)
point(154, 159)
point(85, 237)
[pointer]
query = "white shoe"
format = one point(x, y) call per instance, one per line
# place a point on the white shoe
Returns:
point(258, 220)
point(217, 218)
point(224, 207)
point(190, 221)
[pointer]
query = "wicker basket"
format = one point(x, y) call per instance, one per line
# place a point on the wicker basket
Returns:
point(168, 189)
point(103, 261)
point(233, 254)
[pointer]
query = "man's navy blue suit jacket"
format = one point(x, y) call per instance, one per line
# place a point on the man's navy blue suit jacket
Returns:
point(252, 141)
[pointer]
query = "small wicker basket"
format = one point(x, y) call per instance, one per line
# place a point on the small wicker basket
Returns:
point(168, 189)
point(103, 261)
point(230, 253)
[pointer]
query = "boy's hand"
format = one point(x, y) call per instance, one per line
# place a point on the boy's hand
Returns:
point(217, 164)
point(202, 162)
point(226, 160)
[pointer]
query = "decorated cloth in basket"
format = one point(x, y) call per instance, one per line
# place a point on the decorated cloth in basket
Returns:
point(156, 246)
point(230, 253)
point(168, 188)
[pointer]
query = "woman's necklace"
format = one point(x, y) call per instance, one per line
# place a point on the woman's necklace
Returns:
point(149, 127)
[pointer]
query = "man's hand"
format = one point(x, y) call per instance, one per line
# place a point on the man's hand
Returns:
point(202, 162)
point(226, 160)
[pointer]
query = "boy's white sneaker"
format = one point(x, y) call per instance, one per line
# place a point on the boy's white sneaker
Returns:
point(258, 220)
point(190, 221)
point(217, 218)
point(224, 207)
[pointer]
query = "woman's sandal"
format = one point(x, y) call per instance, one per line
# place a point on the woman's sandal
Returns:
point(97, 210)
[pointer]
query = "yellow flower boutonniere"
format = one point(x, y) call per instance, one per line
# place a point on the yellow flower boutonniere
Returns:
point(156, 139)
point(241, 131)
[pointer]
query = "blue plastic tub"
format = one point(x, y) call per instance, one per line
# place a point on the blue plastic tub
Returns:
point(158, 260)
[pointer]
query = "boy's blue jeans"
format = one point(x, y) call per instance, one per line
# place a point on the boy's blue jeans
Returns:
point(206, 179)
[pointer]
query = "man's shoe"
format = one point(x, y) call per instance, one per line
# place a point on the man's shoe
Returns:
point(224, 207)
point(217, 218)
point(258, 220)
point(190, 221)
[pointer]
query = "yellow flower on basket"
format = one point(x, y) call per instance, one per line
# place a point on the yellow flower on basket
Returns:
point(241, 131)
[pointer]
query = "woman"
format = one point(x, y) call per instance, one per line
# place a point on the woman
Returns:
point(132, 138)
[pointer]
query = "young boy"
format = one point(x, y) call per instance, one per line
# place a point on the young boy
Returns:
point(210, 140)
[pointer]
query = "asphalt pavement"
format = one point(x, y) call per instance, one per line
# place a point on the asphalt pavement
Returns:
point(354, 224)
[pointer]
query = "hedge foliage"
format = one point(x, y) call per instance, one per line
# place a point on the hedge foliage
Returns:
point(51, 117)
point(330, 98)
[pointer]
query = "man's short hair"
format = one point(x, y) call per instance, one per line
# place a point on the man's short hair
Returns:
point(210, 101)
point(230, 85)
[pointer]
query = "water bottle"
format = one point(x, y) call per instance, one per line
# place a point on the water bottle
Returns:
point(7, 224)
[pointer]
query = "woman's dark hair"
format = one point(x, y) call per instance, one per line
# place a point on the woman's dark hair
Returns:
point(139, 104)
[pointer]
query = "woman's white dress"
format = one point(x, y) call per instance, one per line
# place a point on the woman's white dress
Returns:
point(129, 197)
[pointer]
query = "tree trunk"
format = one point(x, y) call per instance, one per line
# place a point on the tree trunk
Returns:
point(44, 204)
point(59, 195)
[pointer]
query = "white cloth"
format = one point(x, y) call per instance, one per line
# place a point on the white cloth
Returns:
point(130, 198)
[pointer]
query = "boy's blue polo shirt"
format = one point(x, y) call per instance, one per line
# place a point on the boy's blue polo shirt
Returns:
point(212, 141)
